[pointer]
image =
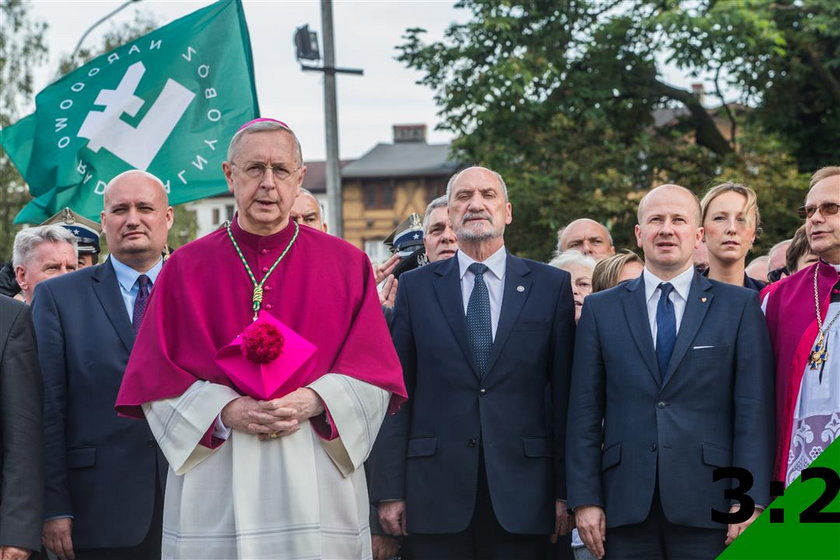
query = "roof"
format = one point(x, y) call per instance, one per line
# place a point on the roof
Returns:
point(403, 159)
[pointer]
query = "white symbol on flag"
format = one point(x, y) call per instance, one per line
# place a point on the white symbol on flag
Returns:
point(137, 146)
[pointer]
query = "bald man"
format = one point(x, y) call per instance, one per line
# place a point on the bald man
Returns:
point(307, 211)
point(688, 359)
point(587, 236)
point(104, 474)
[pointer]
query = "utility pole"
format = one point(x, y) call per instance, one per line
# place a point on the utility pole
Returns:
point(306, 43)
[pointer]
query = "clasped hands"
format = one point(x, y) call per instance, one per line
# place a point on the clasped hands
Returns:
point(274, 418)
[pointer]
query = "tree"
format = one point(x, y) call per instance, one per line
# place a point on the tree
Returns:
point(21, 50)
point(560, 98)
point(185, 226)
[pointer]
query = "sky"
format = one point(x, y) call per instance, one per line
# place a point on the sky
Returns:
point(366, 34)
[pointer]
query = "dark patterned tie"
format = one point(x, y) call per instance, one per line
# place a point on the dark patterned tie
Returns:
point(666, 328)
point(478, 319)
point(141, 301)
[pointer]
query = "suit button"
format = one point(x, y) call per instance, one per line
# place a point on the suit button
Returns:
point(653, 447)
point(661, 404)
point(483, 392)
point(150, 443)
point(473, 443)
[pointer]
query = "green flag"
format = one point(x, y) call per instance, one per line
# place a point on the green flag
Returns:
point(166, 103)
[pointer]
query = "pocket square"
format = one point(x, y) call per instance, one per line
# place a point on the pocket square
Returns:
point(700, 347)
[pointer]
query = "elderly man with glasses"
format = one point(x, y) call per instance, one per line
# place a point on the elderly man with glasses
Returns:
point(803, 315)
point(264, 369)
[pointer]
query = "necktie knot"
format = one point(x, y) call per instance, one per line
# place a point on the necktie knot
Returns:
point(666, 288)
point(144, 282)
point(477, 268)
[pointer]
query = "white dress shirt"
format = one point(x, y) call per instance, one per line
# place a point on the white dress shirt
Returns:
point(493, 278)
point(679, 296)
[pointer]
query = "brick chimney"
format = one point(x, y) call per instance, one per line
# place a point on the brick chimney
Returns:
point(699, 92)
point(409, 133)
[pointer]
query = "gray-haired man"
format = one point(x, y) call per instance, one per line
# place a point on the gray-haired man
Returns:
point(40, 253)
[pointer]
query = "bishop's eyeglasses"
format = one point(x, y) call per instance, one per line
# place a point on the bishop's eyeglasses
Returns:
point(256, 170)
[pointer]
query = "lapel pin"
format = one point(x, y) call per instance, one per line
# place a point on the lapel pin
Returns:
point(520, 289)
point(703, 299)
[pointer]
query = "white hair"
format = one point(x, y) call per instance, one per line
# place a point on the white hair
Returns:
point(572, 257)
point(458, 175)
point(440, 202)
point(28, 239)
point(262, 126)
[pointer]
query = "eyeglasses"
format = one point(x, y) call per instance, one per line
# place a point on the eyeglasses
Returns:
point(826, 209)
point(776, 274)
point(256, 170)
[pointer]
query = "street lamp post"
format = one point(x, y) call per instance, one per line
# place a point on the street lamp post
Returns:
point(307, 49)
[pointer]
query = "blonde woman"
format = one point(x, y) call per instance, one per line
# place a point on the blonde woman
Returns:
point(615, 269)
point(730, 223)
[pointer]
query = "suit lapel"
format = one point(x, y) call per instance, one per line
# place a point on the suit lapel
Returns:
point(107, 289)
point(699, 300)
point(635, 310)
point(513, 300)
point(447, 287)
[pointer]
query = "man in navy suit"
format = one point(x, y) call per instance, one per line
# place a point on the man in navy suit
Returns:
point(672, 379)
point(471, 467)
point(104, 474)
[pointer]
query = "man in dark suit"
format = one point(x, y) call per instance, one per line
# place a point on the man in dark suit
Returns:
point(21, 434)
point(104, 474)
point(672, 379)
point(467, 468)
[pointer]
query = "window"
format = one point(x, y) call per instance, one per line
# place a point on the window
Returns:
point(379, 193)
point(216, 217)
point(229, 212)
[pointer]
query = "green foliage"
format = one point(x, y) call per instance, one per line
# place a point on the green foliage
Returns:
point(560, 98)
point(21, 50)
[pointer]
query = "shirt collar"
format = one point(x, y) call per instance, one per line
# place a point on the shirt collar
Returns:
point(495, 262)
point(127, 276)
point(680, 282)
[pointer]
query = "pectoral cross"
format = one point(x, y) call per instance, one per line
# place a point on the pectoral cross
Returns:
point(818, 354)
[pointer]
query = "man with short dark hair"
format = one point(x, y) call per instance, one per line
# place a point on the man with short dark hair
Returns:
point(672, 380)
point(104, 474)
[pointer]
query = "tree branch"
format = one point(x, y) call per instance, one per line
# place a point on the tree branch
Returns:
point(706, 132)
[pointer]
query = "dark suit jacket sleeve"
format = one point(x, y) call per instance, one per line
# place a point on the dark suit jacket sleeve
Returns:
point(586, 412)
point(754, 395)
point(389, 453)
point(561, 370)
point(51, 354)
point(21, 496)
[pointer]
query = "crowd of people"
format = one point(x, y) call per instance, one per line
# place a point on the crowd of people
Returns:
point(265, 392)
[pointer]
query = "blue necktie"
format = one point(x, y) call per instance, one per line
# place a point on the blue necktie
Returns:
point(666, 328)
point(140, 302)
point(478, 319)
